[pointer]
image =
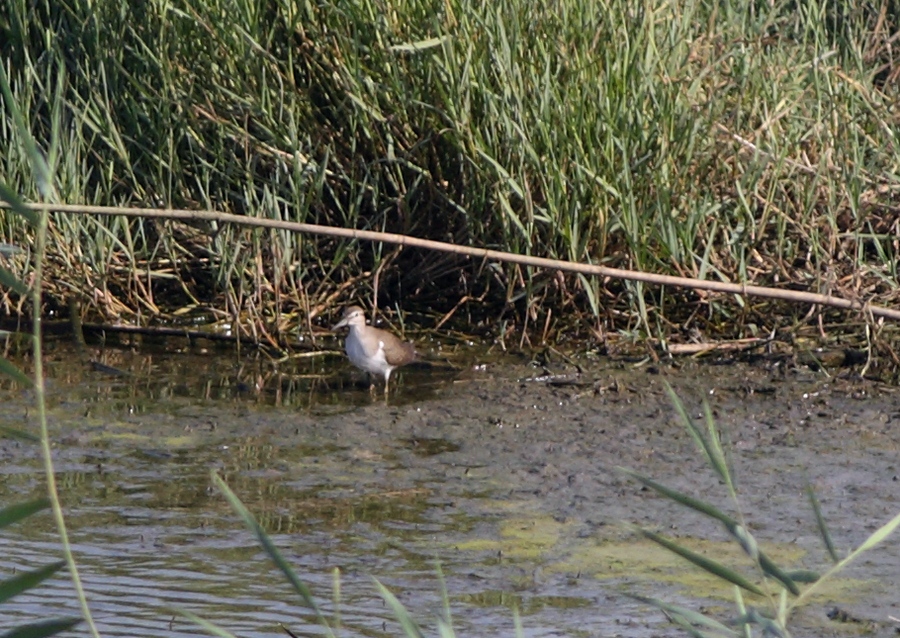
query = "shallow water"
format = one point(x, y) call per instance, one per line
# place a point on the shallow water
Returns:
point(499, 473)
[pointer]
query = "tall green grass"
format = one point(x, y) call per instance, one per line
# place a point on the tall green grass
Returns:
point(729, 140)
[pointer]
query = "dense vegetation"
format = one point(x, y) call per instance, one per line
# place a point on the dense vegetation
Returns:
point(722, 139)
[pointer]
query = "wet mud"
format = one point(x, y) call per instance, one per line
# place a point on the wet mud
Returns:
point(494, 482)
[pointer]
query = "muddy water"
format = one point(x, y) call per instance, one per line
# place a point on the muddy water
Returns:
point(498, 473)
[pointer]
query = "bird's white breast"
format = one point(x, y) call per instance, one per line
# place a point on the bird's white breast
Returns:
point(371, 359)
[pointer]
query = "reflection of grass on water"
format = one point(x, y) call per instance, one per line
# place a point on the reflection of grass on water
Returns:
point(781, 590)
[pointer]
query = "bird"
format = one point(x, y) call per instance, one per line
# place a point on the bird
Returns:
point(372, 349)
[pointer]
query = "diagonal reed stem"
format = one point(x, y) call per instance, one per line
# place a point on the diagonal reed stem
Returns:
point(744, 290)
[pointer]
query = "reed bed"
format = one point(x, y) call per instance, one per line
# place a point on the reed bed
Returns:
point(732, 140)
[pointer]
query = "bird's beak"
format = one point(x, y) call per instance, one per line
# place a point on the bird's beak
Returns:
point(340, 324)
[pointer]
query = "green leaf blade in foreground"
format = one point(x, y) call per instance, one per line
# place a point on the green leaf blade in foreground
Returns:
point(716, 451)
point(707, 564)
point(773, 570)
point(15, 513)
point(410, 628)
point(710, 449)
point(805, 576)
point(421, 45)
point(820, 523)
point(17, 205)
point(769, 626)
point(445, 630)
point(14, 373)
point(682, 498)
point(42, 629)
point(35, 157)
point(27, 580)
point(691, 617)
point(878, 536)
point(12, 282)
point(748, 543)
point(271, 550)
point(215, 630)
point(744, 538)
point(22, 435)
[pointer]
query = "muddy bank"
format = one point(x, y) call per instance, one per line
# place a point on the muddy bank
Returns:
point(501, 473)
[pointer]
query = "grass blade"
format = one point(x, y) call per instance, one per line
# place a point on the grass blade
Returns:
point(15, 513)
point(682, 498)
point(421, 45)
point(751, 547)
point(742, 609)
point(713, 452)
point(271, 550)
point(707, 564)
point(27, 580)
point(874, 539)
point(42, 629)
point(768, 626)
point(35, 157)
point(716, 451)
point(17, 205)
point(215, 630)
point(805, 576)
point(12, 282)
point(14, 373)
point(445, 630)
point(820, 522)
point(748, 543)
point(22, 435)
point(410, 628)
point(8, 250)
point(692, 618)
point(773, 570)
